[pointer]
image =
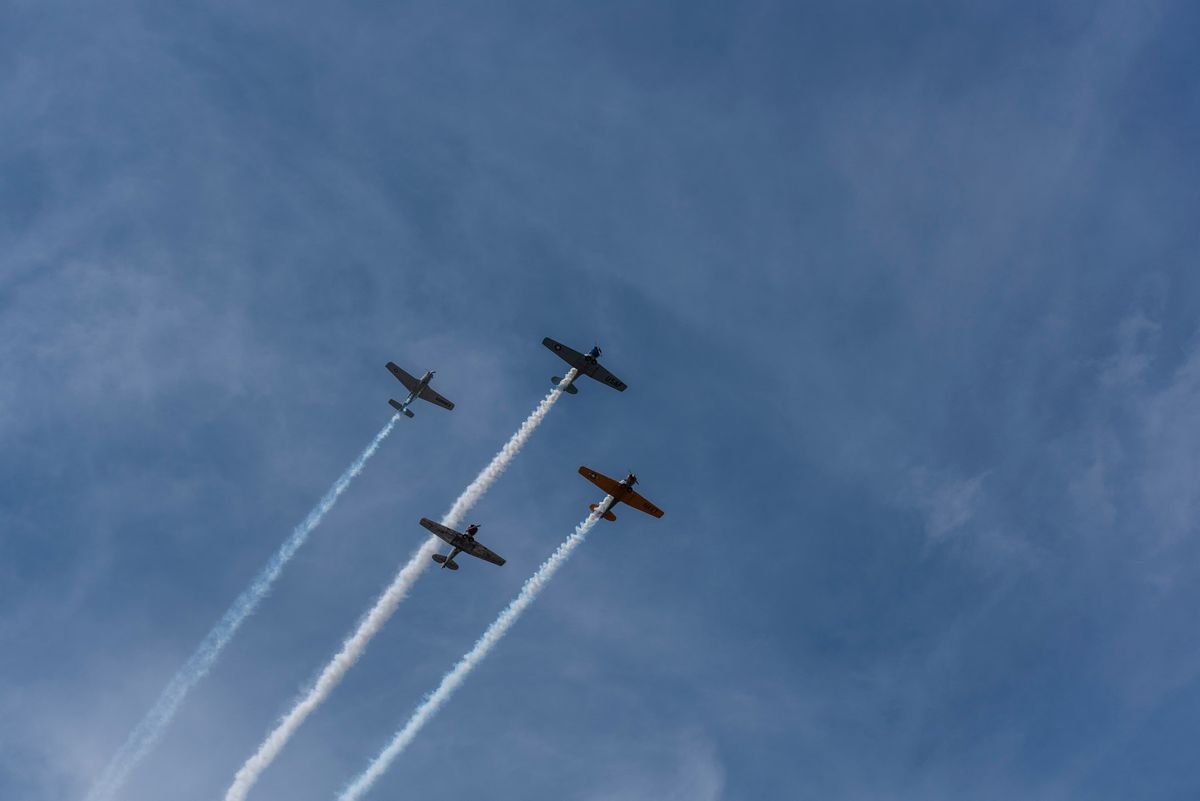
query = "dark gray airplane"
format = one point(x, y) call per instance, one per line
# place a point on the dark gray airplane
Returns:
point(586, 364)
point(417, 388)
point(460, 543)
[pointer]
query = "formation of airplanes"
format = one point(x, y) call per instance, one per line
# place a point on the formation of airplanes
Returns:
point(622, 491)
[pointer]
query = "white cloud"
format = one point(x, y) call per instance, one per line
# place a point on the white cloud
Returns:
point(948, 503)
point(690, 770)
point(1136, 338)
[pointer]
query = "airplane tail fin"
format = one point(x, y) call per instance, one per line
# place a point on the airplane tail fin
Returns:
point(570, 390)
point(407, 413)
point(450, 563)
point(607, 515)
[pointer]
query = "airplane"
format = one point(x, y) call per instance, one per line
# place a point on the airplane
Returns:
point(461, 543)
point(586, 364)
point(621, 492)
point(417, 388)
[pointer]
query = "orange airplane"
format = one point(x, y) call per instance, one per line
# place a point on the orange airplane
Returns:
point(620, 492)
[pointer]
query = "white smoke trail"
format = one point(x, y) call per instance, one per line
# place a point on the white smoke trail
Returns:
point(148, 732)
point(356, 644)
point(452, 680)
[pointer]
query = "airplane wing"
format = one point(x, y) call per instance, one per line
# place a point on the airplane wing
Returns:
point(428, 394)
point(571, 357)
point(481, 552)
point(604, 377)
point(641, 504)
point(602, 481)
point(404, 378)
point(442, 532)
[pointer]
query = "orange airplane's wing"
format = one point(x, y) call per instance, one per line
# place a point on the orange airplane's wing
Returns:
point(641, 504)
point(602, 481)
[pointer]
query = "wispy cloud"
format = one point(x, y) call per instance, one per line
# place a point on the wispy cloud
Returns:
point(151, 728)
point(684, 769)
point(495, 632)
point(385, 605)
point(948, 503)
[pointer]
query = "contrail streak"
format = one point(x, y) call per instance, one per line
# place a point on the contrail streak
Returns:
point(452, 680)
point(356, 644)
point(148, 732)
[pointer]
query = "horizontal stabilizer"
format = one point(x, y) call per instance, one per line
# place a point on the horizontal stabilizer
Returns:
point(607, 515)
point(439, 558)
point(571, 389)
point(398, 406)
point(452, 564)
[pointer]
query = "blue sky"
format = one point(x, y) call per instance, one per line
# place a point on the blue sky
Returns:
point(905, 294)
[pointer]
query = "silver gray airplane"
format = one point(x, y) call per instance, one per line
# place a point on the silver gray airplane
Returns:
point(460, 543)
point(417, 388)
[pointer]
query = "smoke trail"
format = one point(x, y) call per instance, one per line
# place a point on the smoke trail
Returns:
point(452, 680)
point(385, 605)
point(147, 733)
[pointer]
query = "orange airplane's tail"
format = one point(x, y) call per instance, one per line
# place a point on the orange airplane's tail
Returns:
point(607, 515)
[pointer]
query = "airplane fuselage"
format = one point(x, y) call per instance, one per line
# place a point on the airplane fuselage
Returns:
point(412, 396)
point(450, 558)
point(469, 534)
point(590, 360)
point(624, 487)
